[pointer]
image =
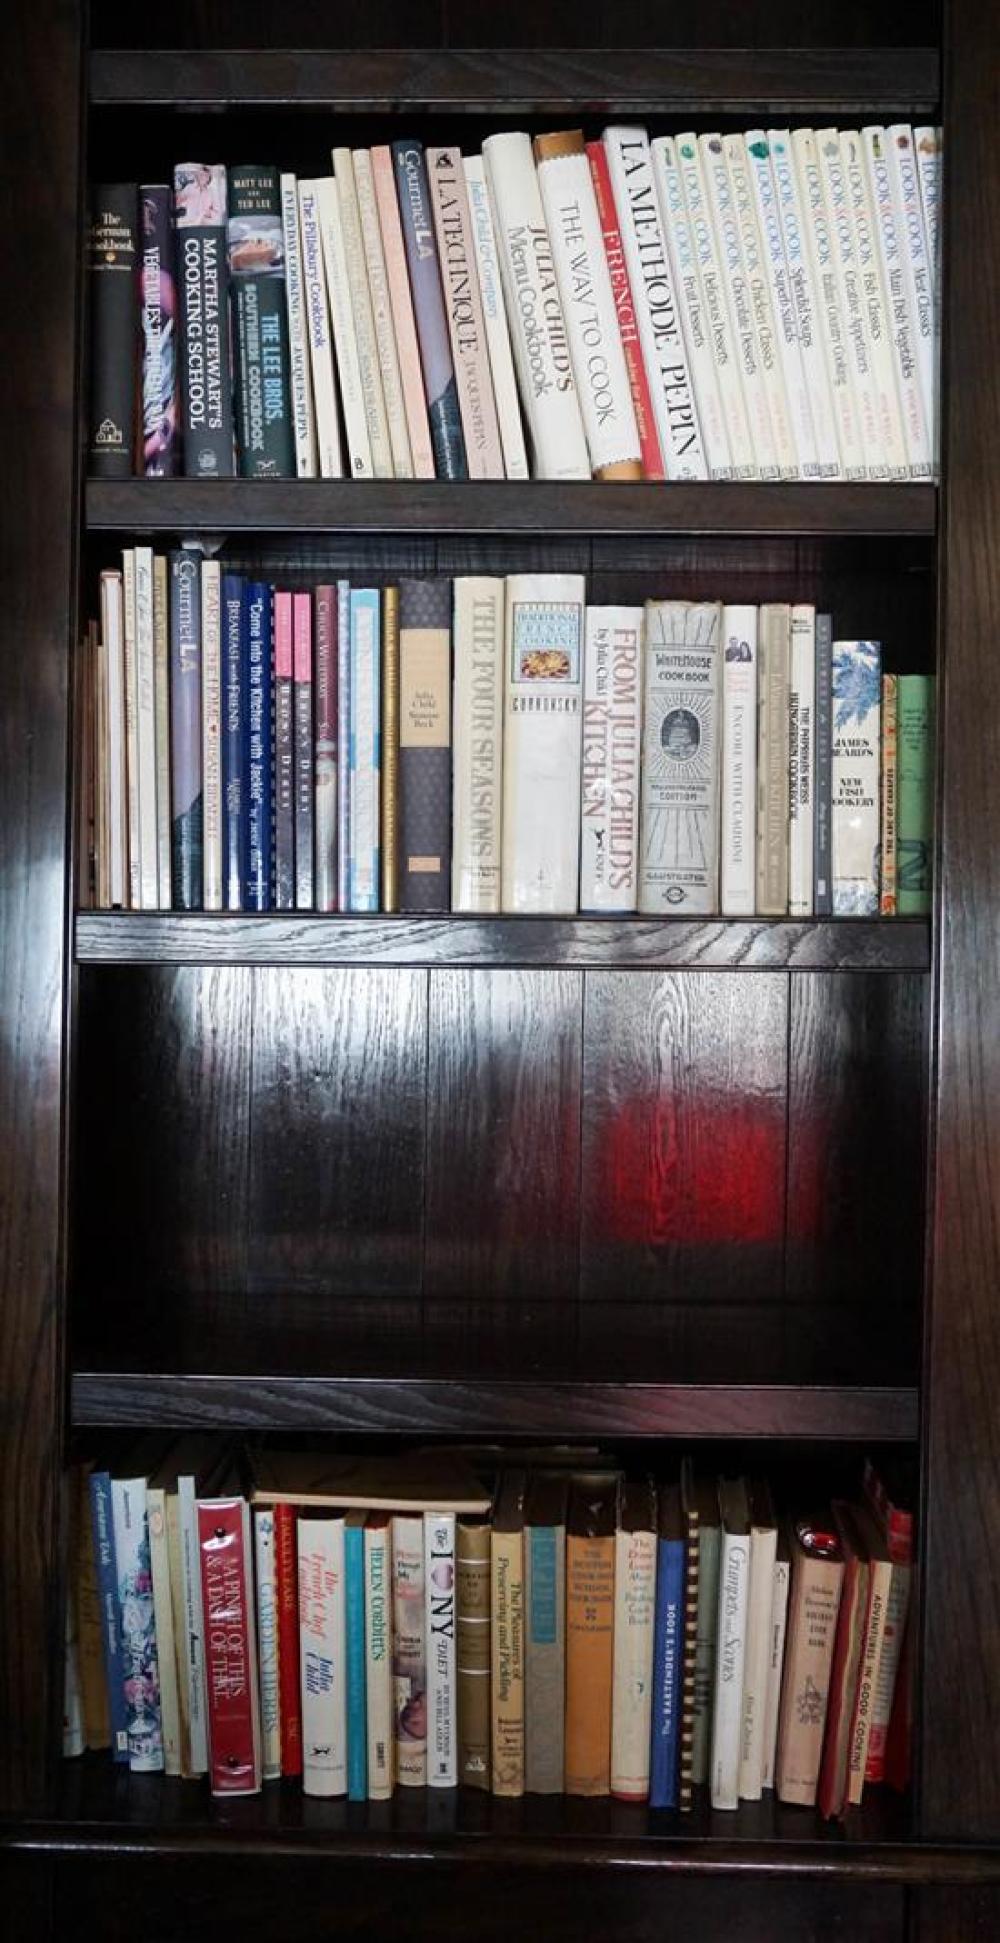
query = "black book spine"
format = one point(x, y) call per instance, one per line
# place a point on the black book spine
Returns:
point(424, 825)
point(206, 371)
point(260, 325)
point(284, 757)
point(305, 767)
point(158, 328)
point(112, 258)
point(822, 761)
point(186, 824)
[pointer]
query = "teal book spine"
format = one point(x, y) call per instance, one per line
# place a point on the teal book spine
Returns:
point(357, 1713)
point(914, 794)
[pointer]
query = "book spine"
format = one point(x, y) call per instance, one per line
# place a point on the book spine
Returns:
point(783, 299)
point(760, 1598)
point(761, 309)
point(359, 296)
point(887, 849)
point(542, 743)
point(612, 740)
point(231, 1654)
point(857, 342)
point(305, 781)
point(206, 368)
point(854, 770)
point(287, 1600)
point(588, 303)
point(131, 665)
point(742, 458)
point(889, 441)
point(544, 1658)
point(113, 645)
point(329, 453)
point(345, 835)
point(300, 382)
point(146, 728)
point(534, 312)
point(234, 676)
point(464, 309)
point(177, 1605)
point(829, 318)
point(259, 766)
point(440, 389)
point(378, 1658)
point(800, 278)
point(160, 387)
point(477, 756)
point(102, 1519)
point(404, 325)
point(265, 1561)
point(390, 809)
point(666, 1673)
point(845, 1669)
point(897, 1607)
point(734, 1585)
point(323, 1655)
point(501, 357)
point(775, 1663)
point(507, 1651)
point(773, 760)
point(329, 197)
point(915, 810)
point(185, 732)
point(634, 1670)
point(736, 283)
point(880, 1581)
point(683, 254)
point(385, 336)
point(442, 1698)
point(194, 1625)
point(738, 861)
point(73, 1740)
point(88, 1615)
point(424, 833)
point(112, 253)
point(801, 760)
point(916, 433)
point(628, 328)
point(211, 735)
point(327, 749)
point(679, 871)
point(409, 1652)
point(903, 170)
point(812, 1624)
point(365, 762)
point(140, 1664)
point(261, 373)
point(689, 1655)
point(357, 1704)
point(472, 1589)
point(823, 757)
point(163, 1627)
point(284, 755)
point(590, 1610)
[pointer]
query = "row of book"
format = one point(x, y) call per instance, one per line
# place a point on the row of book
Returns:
point(747, 306)
point(365, 1624)
point(490, 745)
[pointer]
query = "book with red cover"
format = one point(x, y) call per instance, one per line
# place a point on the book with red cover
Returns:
point(230, 1647)
point(890, 1746)
point(649, 442)
point(286, 1568)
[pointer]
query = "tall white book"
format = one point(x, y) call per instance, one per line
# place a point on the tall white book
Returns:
point(329, 454)
point(720, 333)
point(729, 244)
point(634, 1619)
point(854, 777)
point(477, 744)
point(660, 332)
point(857, 346)
point(542, 743)
point(738, 860)
point(775, 1656)
point(323, 1655)
point(385, 335)
point(534, 310)
point(758, 159)
point(916, 430)
point(760, 1599)
point(409, 1647)
point(679, 234)
point(442, 1687)
point(211, 734)
point(359, 291)
point(802, 285)
point(927, 143)
point(338, 285)
point(161, 726)
point(915, 251)
point(303, 415)
point(265, 1564)
point(829, 317)
point(761, 307)
point(146, 729)
point(734, 1588)
point(801, 760)
point(515, 456)
point(378, 1654)
point(679, 841)
point(889, 425)
point(113, 652)
point(612, 747)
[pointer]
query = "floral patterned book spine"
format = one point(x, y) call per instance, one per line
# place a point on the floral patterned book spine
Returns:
point(138, 1627)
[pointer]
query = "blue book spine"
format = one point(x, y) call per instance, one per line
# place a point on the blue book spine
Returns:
point(668, 1640)
point(234, 673)
point(364, 751)
point(357, 1713)
point(343, 743)
point(259, 759)
point(111, 1618)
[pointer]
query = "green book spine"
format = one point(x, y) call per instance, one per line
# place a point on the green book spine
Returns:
point(915, 784)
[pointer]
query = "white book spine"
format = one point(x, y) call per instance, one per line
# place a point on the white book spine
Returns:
point(113, 643)
point(501, 357)
point(211, 733)
point(588, 303)
point(131, 729)
point(735, 281)
point(738, 869)
point(801, 284)
point(338, 284)
point(889, 426)
point(140, 1667)
point(477, 753)
point(344, 834)
point(852, 307)
point(409, 1637)
point(612, 747)
point(679, 842)
point(829, 316)
point(534, 311)
point(660, 335)
point(720, 334)
point(365, 766)
point(401, 302)
point(902, 159)
point(146, 729)
point(775, 1664)
point(442, 1688)
point(378, 1659)
point(758, 159)
point(161, 728)
point(193, 1656)
point(734, 1586)
point(385, 335)
point(680, 241)
point(542, 743)
point(801, 761)
point(760, 1598)
point(267, 1643)
point(330, 456)
point(163, 1616)
point(854, 779)
point(303, 417)
point(359, 297)
point(761, 308)
point(927, 143)
point(323, 1655)
point(901, 324)
point(632, 1673)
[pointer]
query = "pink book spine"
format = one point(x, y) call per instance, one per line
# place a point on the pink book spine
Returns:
point(283, 637)
point(649, 444)
point(414, 402)
point(464, 306)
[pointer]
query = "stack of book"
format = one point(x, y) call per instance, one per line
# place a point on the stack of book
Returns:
point(365, 1625)
point(490, 745)
point(741, 306)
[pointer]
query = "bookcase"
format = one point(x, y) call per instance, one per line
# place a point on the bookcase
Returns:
point(715, 1184)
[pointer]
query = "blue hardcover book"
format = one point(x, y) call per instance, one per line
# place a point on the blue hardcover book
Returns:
point(668, 1647)
point(111, 1630)
point(234, 684)
point(357, 1711)
point(186, 827)
point(343, 743)
point(364, 749)
point(259, 766)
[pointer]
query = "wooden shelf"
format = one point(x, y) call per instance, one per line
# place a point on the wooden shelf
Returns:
point(707, 944)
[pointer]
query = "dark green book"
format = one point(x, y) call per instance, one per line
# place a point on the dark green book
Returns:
point(914, 794)
point(262, 371)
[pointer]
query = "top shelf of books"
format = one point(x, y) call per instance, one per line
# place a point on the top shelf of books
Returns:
point(533, 81)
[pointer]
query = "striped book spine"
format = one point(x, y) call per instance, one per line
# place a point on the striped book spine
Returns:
point(685, 1780)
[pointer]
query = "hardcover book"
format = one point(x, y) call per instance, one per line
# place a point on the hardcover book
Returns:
point(464, 310)
point(359, 295)
point(206, 368)
point(633, 1669)
point(890, 444)
point(440, 389)
point(442, 1697)
point(742, 456)
point(857, 342)
point(736, 283)
point(260, 325)
point(902, 326)
point(668, 1652)
point(158, 327)
point(545, 1634)
point(409, 1626)
point(305, 782)
point(760, 1598)
point(761, 308)
point(102, 1517)
point(773, 769)
point(265, 1563)
point(915, 810)
point(112, 254)
point(801, 760)
point(734, 1587)
point(477, 754)
point(390, 749)
point(829, 318)
point(679, 867)
point(783, 300)
point(326, 748)
point(145, 682)
point(211, 735)
point(284, 754)
point(823, 758)
point(776, 1653)
point(700, 1501)
point(231, 1657)
point(914, 249)
point(132, 773)
point(287, 1596)
point(140, 1663)
point(845, 1667)
point(817, 1576)
point(163, 1627)
point(501, 357)
point(345, 677)
point(357, 1703)
point(259, 766)
point(590, 1611)
point(472, 1594)
point(319, 335)
point(378, 1654)
point(801, 282)
point(738, 863)
point(507, 1635)
point(355, 405)
point(542, 746)
point(381, 303)
point(424, 832)
point(628, 329)
point(364, 760)
point(612, 737)
point(235, 648)
point(401, 302)
point(185, 731)
point(679, 233)
point(323, 1655)
point(854, 777)
point(880, 1577)
point(300, 381)
point(888, 798)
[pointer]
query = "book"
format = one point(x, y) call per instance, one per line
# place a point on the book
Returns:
point(401, 303)
point(326, 748)
point(323, 1654)
point(284, 754)
point(632, 1682)
point(235, 645)
point(477, 744)
point(829, 318)
point(896, 1526)
point(185, 731)
point(106, 1571)
point(542, 745)
point(783, 301)
point(888, 795)
point(145, 683)
point(299, 370)
point(590, 1611)
point(140, 1662)
point(628, 329)
point(680, 239)
point(319, 337)
point(534, 311)
point(850, 287)
point(823, 758)
point(72, 1728)
point(381, 306)
point(206, 365)
point(895, 281)
point(507, 1635)
point(363, 749)
point(668, 1651)
point(231, 1676)
point(736, 284)
point(915, 803)
point(545, 1633)
point(424, 804)
point(211, 735)
point(801, 759)
point(814, 1600)
point(442, 1697)
point(845, 1665)
point(112, 255)
point(356, 1650)
point(409, 1664)
point(501, 357)
point(776, 1653)
point(880, 1577)
point(261, 384)
point(904, 174)
point(773, 775)
point(305, 781)
point(158, 328)
point(440, 388)
point(595, 346)
point(734, 1589)
point(265, 1572)
point(679, 844)
point(359, 296)
point(464, 310)
point(331, 195)
point(378, 1654)
point(473, 1650)
point(760, 1598)
point(428, 1480)
point(854, 777)
point(765, 330)
point(132, 776)
point(389, 807)
point(163, 1627)
point(689, 1643)
point(198, 1469)
point(798, 260)
point(738, 835)
point(708, 266)
point(259, 764)
point(889, 442)
point(345, 675)
point(113, 647)
point(286, 1569)
point(610, 763)
point(700, 1503)
point(88, 1614)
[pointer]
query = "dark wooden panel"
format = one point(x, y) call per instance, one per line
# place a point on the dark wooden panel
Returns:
point(955, 1916)
point(38, 509)
point(322, 24)
point(961, 1634)
point(683, 1183)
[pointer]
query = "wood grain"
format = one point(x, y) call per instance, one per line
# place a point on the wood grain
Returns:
point(954, 1916)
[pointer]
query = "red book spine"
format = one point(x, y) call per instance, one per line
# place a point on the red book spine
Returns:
point(649, 444)
point(325, 676)
point(287, 1572)
point(842, 1690)
point(230, 1659)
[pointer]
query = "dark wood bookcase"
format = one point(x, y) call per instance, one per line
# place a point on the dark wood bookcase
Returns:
point(729, 1184)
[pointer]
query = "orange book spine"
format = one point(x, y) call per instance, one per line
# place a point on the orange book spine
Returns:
point(590, 1604)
